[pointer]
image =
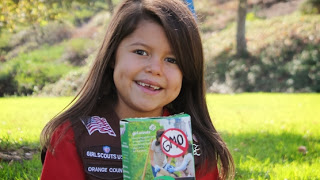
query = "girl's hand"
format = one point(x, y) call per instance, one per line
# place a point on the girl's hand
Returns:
point(167, 166)
point(171, 169)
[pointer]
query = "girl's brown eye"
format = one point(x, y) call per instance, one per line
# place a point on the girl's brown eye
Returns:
point(171, 60)
point(141, 52)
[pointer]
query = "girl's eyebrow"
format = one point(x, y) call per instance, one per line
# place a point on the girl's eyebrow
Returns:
point(139, 44)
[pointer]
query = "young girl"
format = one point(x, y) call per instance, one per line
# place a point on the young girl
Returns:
point(150, 64)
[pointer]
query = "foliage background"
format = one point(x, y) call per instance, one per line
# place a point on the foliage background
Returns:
point(46, 47)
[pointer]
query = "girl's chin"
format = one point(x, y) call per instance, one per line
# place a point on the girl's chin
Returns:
point(149, 112)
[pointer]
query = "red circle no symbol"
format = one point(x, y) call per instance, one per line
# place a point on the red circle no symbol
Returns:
point(174, 142)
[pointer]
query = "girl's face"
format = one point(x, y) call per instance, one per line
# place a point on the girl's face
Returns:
point(145, 73)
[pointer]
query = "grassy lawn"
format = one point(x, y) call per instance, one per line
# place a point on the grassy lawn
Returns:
point(21, 121)
point(263, 132)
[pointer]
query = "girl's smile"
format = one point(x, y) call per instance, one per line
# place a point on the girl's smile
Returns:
point(146, 75)
point(148, 86)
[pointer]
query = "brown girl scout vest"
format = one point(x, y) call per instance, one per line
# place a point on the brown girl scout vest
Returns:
point(99, 145)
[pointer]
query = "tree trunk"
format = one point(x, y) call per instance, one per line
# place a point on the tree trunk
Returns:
point(241, 28)
point(110, 6)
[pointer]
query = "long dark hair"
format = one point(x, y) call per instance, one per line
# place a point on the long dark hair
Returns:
point(158, 135)
point(184, 37)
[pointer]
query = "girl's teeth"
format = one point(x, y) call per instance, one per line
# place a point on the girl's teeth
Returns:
point(154, 87)
point(148, 85)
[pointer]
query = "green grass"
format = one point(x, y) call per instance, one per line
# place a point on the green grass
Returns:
point(21, 121)
point(263, 132)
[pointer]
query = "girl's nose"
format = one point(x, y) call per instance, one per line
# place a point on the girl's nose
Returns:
point(155, 66)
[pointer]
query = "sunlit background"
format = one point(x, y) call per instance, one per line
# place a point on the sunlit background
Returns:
point(47, 46)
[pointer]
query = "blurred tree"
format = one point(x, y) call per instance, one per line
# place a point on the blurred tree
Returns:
point(310, 7)
point(110, 6)
point(241, 28)
point(15, 13)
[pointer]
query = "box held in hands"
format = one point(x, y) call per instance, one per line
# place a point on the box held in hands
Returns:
point(157, 148)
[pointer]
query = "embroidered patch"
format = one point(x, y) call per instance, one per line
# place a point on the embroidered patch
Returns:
point(96, 123)
point(103, 153)
point(93, 154)
point(106, 149)
point(104, 171)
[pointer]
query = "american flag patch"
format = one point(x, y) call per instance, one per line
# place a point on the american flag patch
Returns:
point(96, 123)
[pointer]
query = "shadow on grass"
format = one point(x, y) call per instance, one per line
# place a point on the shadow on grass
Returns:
point(12, 146)
point(12, 150)
point(19, 160)
point(27, 169)
point(269, 149)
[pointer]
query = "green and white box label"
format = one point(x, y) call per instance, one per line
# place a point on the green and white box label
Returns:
point(157, 148)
